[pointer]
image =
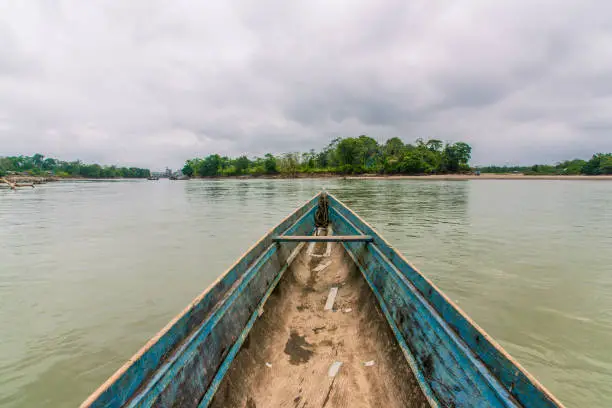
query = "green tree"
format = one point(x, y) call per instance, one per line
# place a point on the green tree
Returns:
point(457, 157)
point(347, 153)
point(599, 164)
point(209, 167)
point(290, 164)
point(6, 165)
point(37, 164)
point(309, 160)
point(570, 167)
point(328, 157)
point(242, 164)
point(434, 145)
point(605, 164)
point(189, 168)
point(394, 147)
point(413, 162)
point(368, 152)
point(270, 164)
point(49, 164)
point(37, 160)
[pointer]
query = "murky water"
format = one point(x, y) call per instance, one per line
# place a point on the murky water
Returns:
point(90, 270)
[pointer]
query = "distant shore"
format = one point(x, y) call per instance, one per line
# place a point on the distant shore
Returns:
point(21, 179)
point(30, 179)
point(485, 176)
point(449, 177)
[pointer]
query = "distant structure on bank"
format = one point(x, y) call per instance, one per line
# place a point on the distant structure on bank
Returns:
point(169, 174)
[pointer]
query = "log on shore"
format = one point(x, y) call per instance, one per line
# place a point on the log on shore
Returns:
point(14, 186)
point(11, 185)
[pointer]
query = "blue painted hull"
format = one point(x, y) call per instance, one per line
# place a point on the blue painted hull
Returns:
point(455, 362)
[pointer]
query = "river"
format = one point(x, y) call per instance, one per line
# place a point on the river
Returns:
point(89, 271)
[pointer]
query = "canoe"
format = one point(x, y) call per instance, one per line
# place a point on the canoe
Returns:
point(322, 312)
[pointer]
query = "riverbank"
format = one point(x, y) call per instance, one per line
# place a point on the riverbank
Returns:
point(30, 179)
point(449, 177)
point(21, 179)
point(487, 176)
point(13, 182)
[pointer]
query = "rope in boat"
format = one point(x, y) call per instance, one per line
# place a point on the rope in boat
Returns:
point(322, 214)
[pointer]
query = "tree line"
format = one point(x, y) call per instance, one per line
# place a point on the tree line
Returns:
point(351, 155)
point(38, 165)
point(599, 164)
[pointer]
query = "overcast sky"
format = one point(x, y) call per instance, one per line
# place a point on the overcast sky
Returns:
point(152, 83)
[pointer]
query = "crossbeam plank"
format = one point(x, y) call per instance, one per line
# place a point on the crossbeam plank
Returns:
point(323, 238)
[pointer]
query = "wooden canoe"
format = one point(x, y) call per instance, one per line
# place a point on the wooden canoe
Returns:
point(341, 320)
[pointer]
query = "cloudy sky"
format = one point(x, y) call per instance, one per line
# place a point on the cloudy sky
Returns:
point(152, 83)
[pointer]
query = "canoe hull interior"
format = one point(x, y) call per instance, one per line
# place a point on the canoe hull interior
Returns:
point(322, 341)
point(201, 359)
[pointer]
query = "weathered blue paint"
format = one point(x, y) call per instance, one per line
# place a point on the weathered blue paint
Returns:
point(460, 364)
point(210, 393)
point(456, 363)
point(189, 350)
point(172, 351)
point(446, 366)
point(399, 336)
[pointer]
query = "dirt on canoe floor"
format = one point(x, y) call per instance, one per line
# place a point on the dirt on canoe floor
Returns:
point(300, 355)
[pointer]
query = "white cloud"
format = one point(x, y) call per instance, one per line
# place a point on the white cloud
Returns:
point(153, 83)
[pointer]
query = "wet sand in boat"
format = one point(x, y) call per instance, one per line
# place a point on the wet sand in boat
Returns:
point(292, 356)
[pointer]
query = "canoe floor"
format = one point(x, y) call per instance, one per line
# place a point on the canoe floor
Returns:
point(287, 359)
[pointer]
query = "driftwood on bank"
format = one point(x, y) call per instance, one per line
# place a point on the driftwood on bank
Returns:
point(14, 186)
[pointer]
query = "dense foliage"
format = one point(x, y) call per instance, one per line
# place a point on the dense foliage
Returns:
point(600, 164)
point(351, 155)
point(37, 165)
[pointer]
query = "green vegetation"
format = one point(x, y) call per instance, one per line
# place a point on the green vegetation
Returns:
point(351, 155)
point(600, 164)
point(38, 165)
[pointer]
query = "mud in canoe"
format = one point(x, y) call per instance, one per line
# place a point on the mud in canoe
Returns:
point(322, 312)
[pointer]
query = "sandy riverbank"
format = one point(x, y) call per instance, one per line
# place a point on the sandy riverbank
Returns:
point(457, 177)
point(489, 176)
point(14, 182)
point(30, 179)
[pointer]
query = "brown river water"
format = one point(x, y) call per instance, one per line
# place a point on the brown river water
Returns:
point(89, 271)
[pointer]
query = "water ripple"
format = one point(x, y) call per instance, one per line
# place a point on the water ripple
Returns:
point(90, 271)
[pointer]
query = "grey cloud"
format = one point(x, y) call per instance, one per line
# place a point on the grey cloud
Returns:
point(152, 83)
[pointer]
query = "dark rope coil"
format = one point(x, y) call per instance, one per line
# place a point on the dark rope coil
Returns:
point(322, 214)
